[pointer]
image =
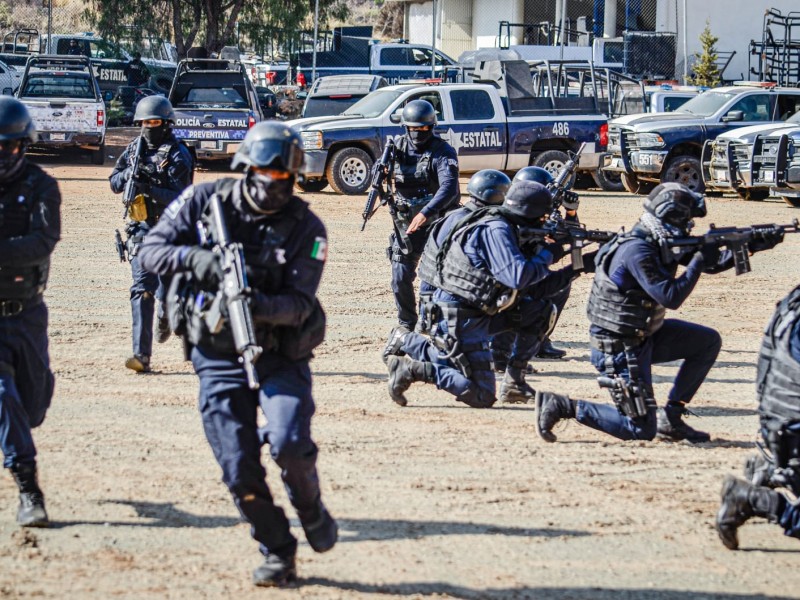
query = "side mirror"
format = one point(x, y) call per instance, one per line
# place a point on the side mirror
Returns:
point(7, 91)
point(396, 116)
point(733, 115)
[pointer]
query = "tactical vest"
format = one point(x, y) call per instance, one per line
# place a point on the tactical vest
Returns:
point(158, 177)
point(778, 373)
point(20, 214)
point(457, 275)
point(427, 264)
point(413, 176)
point(631, 315)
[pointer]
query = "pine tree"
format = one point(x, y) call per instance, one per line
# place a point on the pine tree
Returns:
point(706, 72)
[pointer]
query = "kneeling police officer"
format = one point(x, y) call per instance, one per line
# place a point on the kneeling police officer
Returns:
point(165, 168)
point(284, 245)
point(30, 226)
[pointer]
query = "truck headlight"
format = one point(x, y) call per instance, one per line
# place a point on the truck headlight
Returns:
point(312, 140)
point(649, 140)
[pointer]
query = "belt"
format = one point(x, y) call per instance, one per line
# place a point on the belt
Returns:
point(613, 346)
point(12, 308)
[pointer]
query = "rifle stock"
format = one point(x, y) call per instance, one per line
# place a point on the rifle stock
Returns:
point(575, 235)
point(558, 186)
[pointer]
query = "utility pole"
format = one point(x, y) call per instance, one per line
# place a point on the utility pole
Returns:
point(316, 34)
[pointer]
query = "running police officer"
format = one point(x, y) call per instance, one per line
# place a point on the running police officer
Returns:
point(426, 186)
point(634, 285)
point(478, 271)
point(165, 169)
point(30, 226)
point(284, 246)
point(778, 393)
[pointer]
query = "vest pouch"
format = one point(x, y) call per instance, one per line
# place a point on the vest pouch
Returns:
point(297, 343)
point(137, 211)
point(178, 294)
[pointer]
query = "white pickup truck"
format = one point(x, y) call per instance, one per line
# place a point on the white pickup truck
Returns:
point(65, 103)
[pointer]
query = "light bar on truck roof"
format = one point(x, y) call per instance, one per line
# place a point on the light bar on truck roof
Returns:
point(429, 81)
point(761, 84)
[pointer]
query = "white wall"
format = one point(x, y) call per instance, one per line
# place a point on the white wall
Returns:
point(486, 15)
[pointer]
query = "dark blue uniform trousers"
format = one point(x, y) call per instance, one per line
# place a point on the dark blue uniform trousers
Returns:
point(404, 271)
point(26, 383)
point(696, 345)
point(228, 409)
point(147, 288)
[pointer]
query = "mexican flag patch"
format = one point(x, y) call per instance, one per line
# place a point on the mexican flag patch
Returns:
point(320, 249)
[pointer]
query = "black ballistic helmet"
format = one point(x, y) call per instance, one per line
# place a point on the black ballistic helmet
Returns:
point(154, 107)
point(675, 204)
point(270, 144)
point(537, 174)
point(419, 113)
point(15, 121)
point(529, 200)
point(489, 186)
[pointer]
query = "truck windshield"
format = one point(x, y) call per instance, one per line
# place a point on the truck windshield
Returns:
point(707, 103)
point(374, 104)
point(58, 85)
point(222, 97)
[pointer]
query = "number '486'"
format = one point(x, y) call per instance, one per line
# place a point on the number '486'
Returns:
point(561, 128)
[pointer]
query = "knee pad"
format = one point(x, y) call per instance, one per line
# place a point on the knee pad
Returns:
point(287, 452)
point(476, 397)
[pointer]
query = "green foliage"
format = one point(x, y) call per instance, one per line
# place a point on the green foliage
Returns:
point(114, 112)
point(706, 72)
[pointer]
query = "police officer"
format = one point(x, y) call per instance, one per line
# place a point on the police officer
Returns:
point(479, 274)
point(30, 226)
point(634, 285)
point(284, 246)
point(426, 185)
point(136, 71)
point(778, 393)
point(165, 169)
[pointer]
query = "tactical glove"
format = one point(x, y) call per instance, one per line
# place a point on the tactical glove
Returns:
point(710, 254)
point(205, 266)
point(589, 265)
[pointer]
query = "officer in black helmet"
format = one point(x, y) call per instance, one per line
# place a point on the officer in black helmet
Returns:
point(30, 226)
point(426, 185)
point(479, 272)
point(165, 169)
point(284, 246)
point(635, 283)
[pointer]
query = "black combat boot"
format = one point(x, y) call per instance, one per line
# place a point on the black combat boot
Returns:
point(394, 343)
point(550, 409)
point(670, 424)
point(321, 531)
point(758, 470)
point(515, 390)
point(740, 501)
point(548, 351)
point(403, 372)
point(275, 571)
point(163, 330)
point(31, 512)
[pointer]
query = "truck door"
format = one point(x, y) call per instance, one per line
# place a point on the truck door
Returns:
point(476, 129)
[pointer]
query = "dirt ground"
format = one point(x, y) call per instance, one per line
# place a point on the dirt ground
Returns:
point(433, 500)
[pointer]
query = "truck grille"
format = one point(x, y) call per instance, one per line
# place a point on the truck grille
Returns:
point(631, 142)
point(765, 159)
point(741, 154)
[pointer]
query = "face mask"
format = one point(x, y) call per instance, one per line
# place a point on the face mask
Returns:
point(10, 162)
point(419, 138)
point(268, 194)
point(154, 135)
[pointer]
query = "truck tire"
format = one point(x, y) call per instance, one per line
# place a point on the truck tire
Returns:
point(792, 201)
point(757, 194)
point(631, 183)
point(553, 161)
point(99, 156)
point(686, 170)
point(608, 181)
point(312, 185)
point(348, 172)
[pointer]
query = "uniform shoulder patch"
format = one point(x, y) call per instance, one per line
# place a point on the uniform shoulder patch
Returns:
point(320, 249)
point(176, 205)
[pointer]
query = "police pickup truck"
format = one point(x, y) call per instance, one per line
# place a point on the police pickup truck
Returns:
point(727, 160)
point(215, 104)
point(63, 98)
point(647, 149)
point(775, 164)
point(490, 126)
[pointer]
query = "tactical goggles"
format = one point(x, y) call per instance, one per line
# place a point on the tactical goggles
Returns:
point(286, 154)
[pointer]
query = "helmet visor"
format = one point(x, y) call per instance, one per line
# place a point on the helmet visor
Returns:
point(280, 153)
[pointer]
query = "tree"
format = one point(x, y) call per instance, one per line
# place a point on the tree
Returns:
point(706, 72)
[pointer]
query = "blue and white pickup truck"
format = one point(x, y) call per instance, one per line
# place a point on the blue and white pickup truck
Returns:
point(487, 129)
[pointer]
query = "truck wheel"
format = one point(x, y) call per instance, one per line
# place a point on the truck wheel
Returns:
point(792, 201)
point(99, 155)
point(752, 194)
point(685, 170)
point(553, 161)
point(631, 183)
point(348, 172)
point(312, 185)
point(608, 181)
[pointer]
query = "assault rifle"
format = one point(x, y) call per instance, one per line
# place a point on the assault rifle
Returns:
point(129, 194)
point(561, 195)
point(234, 291)
point(380, 195)
point(577, 236)
point(735, 239)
